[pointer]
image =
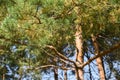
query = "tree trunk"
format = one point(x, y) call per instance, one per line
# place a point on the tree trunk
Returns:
point(55, 73)
point(3, 77)
point(98, 60)
point(90, 72)
point(79, 46)
point(65, 74)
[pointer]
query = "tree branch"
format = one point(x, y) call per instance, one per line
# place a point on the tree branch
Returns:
point(66, 62)
point(116, 46)
point(48, 66)
point(61, 56)
point(14, 41)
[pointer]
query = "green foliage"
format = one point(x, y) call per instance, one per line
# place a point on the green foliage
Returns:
point(33, 24)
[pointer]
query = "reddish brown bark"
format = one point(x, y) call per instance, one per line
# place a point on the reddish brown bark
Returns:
point(79, 46)
point(98, 60)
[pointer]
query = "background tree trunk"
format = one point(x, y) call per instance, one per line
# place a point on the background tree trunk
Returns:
point(65, 74)
point(3, 77)
point(98, 60)
point(90, 72)
point(55, 73)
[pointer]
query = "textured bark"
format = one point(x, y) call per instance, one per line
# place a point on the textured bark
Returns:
point(98, 60)
point(100, 68)
point(79, 46)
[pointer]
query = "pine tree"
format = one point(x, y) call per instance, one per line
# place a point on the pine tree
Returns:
point(33, 33)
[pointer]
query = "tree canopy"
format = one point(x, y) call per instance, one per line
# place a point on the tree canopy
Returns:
point(34, 32)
